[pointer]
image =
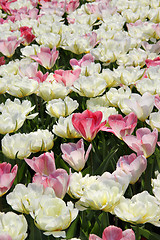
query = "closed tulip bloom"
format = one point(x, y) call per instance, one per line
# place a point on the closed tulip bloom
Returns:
point(122, 126)
point(8, 47)
point(144, 142)
point(114, 233)
point(7, 177)
point(46, 57)
point(88, 124)
point(135, 165)
point(44, 164)
point(74, 154)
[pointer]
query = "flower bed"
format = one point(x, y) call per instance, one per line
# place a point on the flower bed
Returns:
point(79, 119)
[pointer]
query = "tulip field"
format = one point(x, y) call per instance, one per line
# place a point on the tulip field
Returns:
point(79, 119)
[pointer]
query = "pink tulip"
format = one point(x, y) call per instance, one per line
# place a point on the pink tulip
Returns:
point(154, 62)
point(44, 164)
point(86, 60)
point(7, 177)
point(47, 175)
point(31, 72)
point(144, 142)
point(71, 6)
point(74, 154)
point(135, 165)
point(66, 77)
point(8, 47)
point(88, 124)
point(4, 236)
point(27, 35)
point(58, 180)
point(121, 126)
point(114, 233)
point(46, 57)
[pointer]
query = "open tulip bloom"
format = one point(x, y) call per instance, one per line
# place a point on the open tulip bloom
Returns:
point(122, 126)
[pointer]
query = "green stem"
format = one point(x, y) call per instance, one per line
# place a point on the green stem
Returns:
point(137, 233)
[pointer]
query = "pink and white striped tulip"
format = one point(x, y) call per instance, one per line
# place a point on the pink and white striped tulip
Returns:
point(144, 142)
point(132, 164)
point(44, 164)
point(114, 233)
point(7, 177)
point(58, 180)
point(122, 126)
point(88, 124)
point(74, 154)
point(46, 57)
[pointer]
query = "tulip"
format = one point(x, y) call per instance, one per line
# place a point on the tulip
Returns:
point(58, 180)
point(44, 164)
point(74, 154)
point(66, 77)
point(54, 216)
point(142, 106)
point(46, 57)
point(122, 126)
point(135, 165)
point(13, 226)
point(144, 142)
point(27, 35)
point(86, 60)
point(114, 233)
point(8, 47)
point(88, 124)
point(47, 175)
point(7, 177)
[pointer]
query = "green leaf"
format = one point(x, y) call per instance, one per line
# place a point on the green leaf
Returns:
point(149, 235)
point(72, 229)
